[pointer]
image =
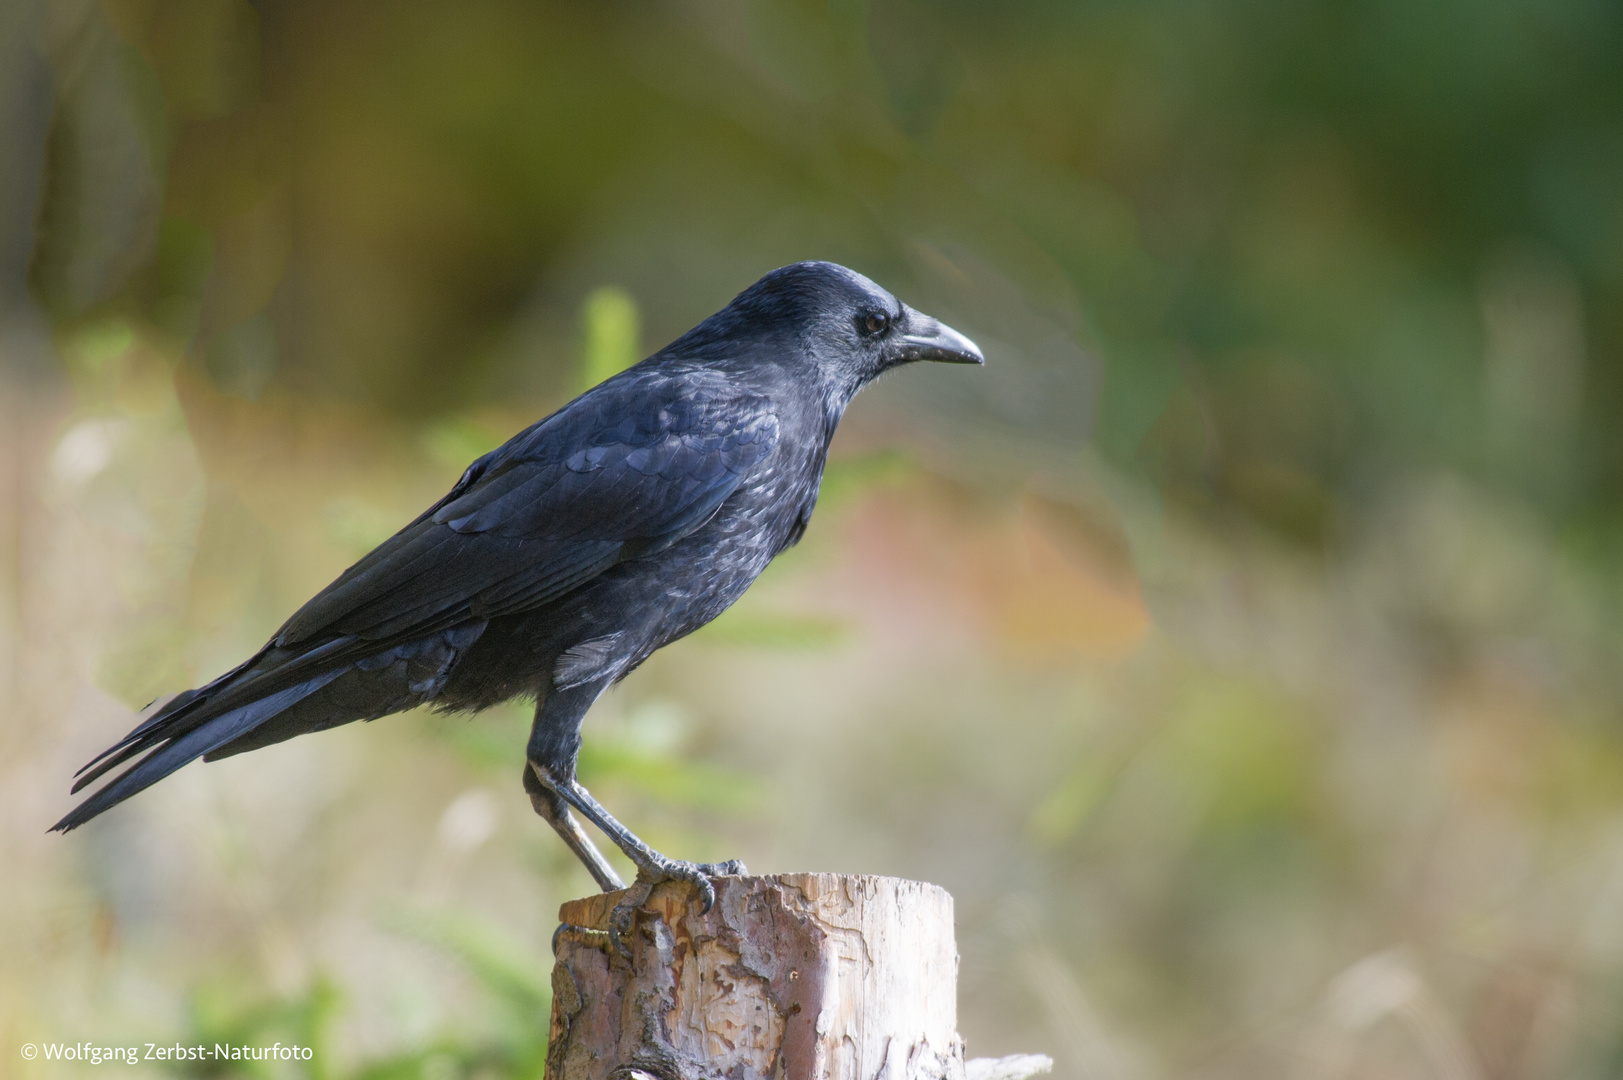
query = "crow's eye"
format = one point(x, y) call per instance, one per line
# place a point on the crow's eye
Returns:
point(876, 322)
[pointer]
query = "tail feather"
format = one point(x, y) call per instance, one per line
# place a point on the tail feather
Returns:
point(164, 715)
point(257, 678)
point(272, 697)
point(105, 764)
point(174, 750)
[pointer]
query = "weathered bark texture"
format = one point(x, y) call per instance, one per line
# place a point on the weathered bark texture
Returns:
point(793, 977)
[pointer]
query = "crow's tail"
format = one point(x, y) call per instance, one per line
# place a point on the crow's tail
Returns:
point(170, 742)
point(276, 695)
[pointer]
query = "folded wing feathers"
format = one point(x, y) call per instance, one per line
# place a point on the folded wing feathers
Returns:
point(524, 525)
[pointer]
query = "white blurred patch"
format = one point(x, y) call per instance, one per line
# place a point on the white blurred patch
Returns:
point(1374, 987)
point(469, 820)
point(1383, 985)
point(85, 451)
point(656, 728)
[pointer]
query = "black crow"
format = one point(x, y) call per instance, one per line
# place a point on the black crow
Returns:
point(625, 520)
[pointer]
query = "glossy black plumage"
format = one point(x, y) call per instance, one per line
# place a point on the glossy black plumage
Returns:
point(560, 561)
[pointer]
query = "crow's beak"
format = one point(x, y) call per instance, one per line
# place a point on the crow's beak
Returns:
point(928, 339)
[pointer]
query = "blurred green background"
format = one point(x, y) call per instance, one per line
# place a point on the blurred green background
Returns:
point(1240, 646)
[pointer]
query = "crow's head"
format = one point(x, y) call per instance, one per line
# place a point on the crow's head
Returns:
point(848, 328)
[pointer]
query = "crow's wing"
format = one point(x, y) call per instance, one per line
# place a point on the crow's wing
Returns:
point(620, 472)
point(627, 468)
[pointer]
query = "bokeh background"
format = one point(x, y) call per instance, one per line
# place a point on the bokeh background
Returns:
point(1240, 646)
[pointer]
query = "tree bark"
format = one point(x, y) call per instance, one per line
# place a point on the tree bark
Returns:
point(792, 977)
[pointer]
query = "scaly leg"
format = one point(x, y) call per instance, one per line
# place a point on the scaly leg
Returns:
point(555, 811)
point(652, 867)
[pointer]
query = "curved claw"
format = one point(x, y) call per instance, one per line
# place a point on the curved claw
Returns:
point(703, 872)
point(707, 891)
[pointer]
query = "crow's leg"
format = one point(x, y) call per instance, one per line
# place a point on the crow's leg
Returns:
point(652, 867)
point(650, 863)
point(555, 811)
point(554, 745)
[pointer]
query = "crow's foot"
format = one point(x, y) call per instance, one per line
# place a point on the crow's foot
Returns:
point(655, 871)
point(652, 867)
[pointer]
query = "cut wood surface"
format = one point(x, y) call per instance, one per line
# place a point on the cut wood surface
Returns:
point(796, 976)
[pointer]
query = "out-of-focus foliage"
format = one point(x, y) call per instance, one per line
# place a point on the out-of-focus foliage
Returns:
point(1240, 646)
point(612, 335)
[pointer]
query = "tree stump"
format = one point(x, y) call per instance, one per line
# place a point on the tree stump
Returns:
point(793, 977)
